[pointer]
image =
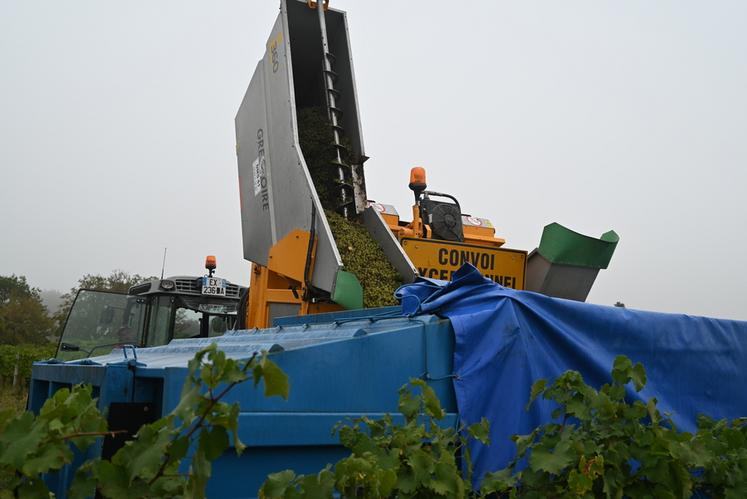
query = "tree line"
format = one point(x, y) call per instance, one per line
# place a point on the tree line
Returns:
point(24, 320)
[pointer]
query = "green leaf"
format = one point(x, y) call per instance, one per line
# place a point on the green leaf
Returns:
point(406, 481)
point(422, 465)
point(321, 485)
point(276, 381)
point(480, 431)
point(233, 372)
point(432, 404)
point(143, 457)
point(553, 462)
point(112, 480)
point(56, 425)
point(277, 484)
point(538, 387)
point(213, 442)
point(20, 439)
point(622, 369)
point(447, 481)
point(523, 442)
point(653, 412)
point(179, 448)
point(84, 483)
point(638, 375)
point(185, 410)
point(387, 482)
point(6, 415)
point(579, 484)
point(33, 488)
point(356, 473)
point(52, 456)
point(498, 483)
point(200, 471)
point(173, 485)
point(409, 406)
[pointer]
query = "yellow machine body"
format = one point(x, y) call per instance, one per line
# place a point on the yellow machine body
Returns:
point(439, 259)
point(280, 288)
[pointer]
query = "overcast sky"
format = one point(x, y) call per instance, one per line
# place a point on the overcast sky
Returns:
point(117, 139)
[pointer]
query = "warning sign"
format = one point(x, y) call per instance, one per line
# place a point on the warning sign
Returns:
point(440, 259)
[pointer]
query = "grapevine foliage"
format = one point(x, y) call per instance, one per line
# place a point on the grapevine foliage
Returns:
point(416, 459)
point(598, 446)
point(148, 465)
point(31, 446)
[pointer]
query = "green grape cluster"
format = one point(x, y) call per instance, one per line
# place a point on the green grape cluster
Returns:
point(360, 252)
point(363, 256)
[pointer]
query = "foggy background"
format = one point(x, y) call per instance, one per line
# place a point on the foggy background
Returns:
point(117, 138)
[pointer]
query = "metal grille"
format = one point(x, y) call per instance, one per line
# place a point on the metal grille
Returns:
point(188, 286)
point(232, 291)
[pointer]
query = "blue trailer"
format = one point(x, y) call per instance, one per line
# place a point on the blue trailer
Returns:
point(479, 345)
point(341, 367)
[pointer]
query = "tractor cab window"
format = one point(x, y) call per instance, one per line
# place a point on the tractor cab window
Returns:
point(99, 321)
point(133, 321)
point(216, 316)
point(159, 324)
point(219, 324)
point(179, 317)
point(187, 323)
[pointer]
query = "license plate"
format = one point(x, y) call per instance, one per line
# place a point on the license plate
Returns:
point(213, 286)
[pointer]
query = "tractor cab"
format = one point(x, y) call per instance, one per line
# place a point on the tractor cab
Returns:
point(150, 314)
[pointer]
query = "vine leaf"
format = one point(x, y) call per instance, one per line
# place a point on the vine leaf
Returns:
point(480, 431)
point(19, 440)
point(429, 398)
point(213, 442)
point(408, 405)
point(622, 369)
point(638, 375)
point(538, 387)
point(552, 462)
point(276, 381)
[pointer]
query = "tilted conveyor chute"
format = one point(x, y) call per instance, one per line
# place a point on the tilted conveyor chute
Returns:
point(284, 227)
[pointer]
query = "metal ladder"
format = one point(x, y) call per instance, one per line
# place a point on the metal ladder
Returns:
point(346, 206)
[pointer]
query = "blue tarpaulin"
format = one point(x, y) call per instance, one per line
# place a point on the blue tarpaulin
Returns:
point(507, 339)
